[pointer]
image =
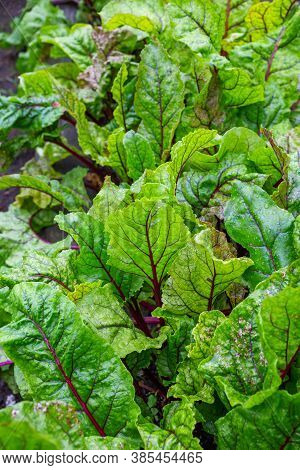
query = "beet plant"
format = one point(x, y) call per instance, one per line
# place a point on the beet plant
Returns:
point(149, 259)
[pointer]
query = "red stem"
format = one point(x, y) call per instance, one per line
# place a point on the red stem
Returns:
point(77, 155)
point(69, 383)
point(227, 19)
point(275, 49)
point(6, 363)
point(154, 321)
point(138, 317)
point(285, 371)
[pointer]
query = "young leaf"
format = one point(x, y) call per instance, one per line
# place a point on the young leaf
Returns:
point(92, 263)
point(144, 239)
point(58, 193)
point(140, 155)
point(159, 97)
point(108, 200)
point(190, 383)
point(176, 431)
point(118, 95)
point(197, 277)
point(198, 23)
point(185, 150)
point(61, 359)
point(102, 311)
point(146, 15)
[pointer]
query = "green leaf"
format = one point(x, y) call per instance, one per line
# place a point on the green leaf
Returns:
point(207, 187)
point(24, 113)
point(271, 160)
point(91, 137)
point(92, 262)
point(264, 17)
point(140, 155)
point(253, 220)
point(58, 268)
point(287, 194)
point(78, 45)
point(238, 365)
point(42, 82)
point(42, 425)
point(29, 23)
point(102, 311)
point(156, 184)
point(198, 277)
point(274, 424)
point(14, 226)
point(61, 359)
point(117, 156)
point(203, 333)
point(144, 239)
point(58, 193)
point(189, 381)
point(190, 384)
point(280, 328)
point(109, 199)
point(146, 15)
point(238, 89)
point(175, 350)
point(118, 93)
point(110, 443)
point(187, 149)
point(176, 431)
point(198, 23)
point(159, 97)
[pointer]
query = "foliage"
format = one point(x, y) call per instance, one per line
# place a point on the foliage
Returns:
point(164, 315)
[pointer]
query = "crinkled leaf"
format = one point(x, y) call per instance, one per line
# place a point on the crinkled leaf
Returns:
point(189, 381)
point(197, 277)
point(144, 239)
point(139, 154)
point(39, 425)
point(92, 263)
point(159, 97)
point(274, 424)
point(197, 23)
point(102, 311)
point(175, 350)
point(238, 365)
point(146, 15)
point(62, 359)
point(176, 431)
point(280, 326)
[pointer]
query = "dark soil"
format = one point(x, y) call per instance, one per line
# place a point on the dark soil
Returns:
point(7, 397)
